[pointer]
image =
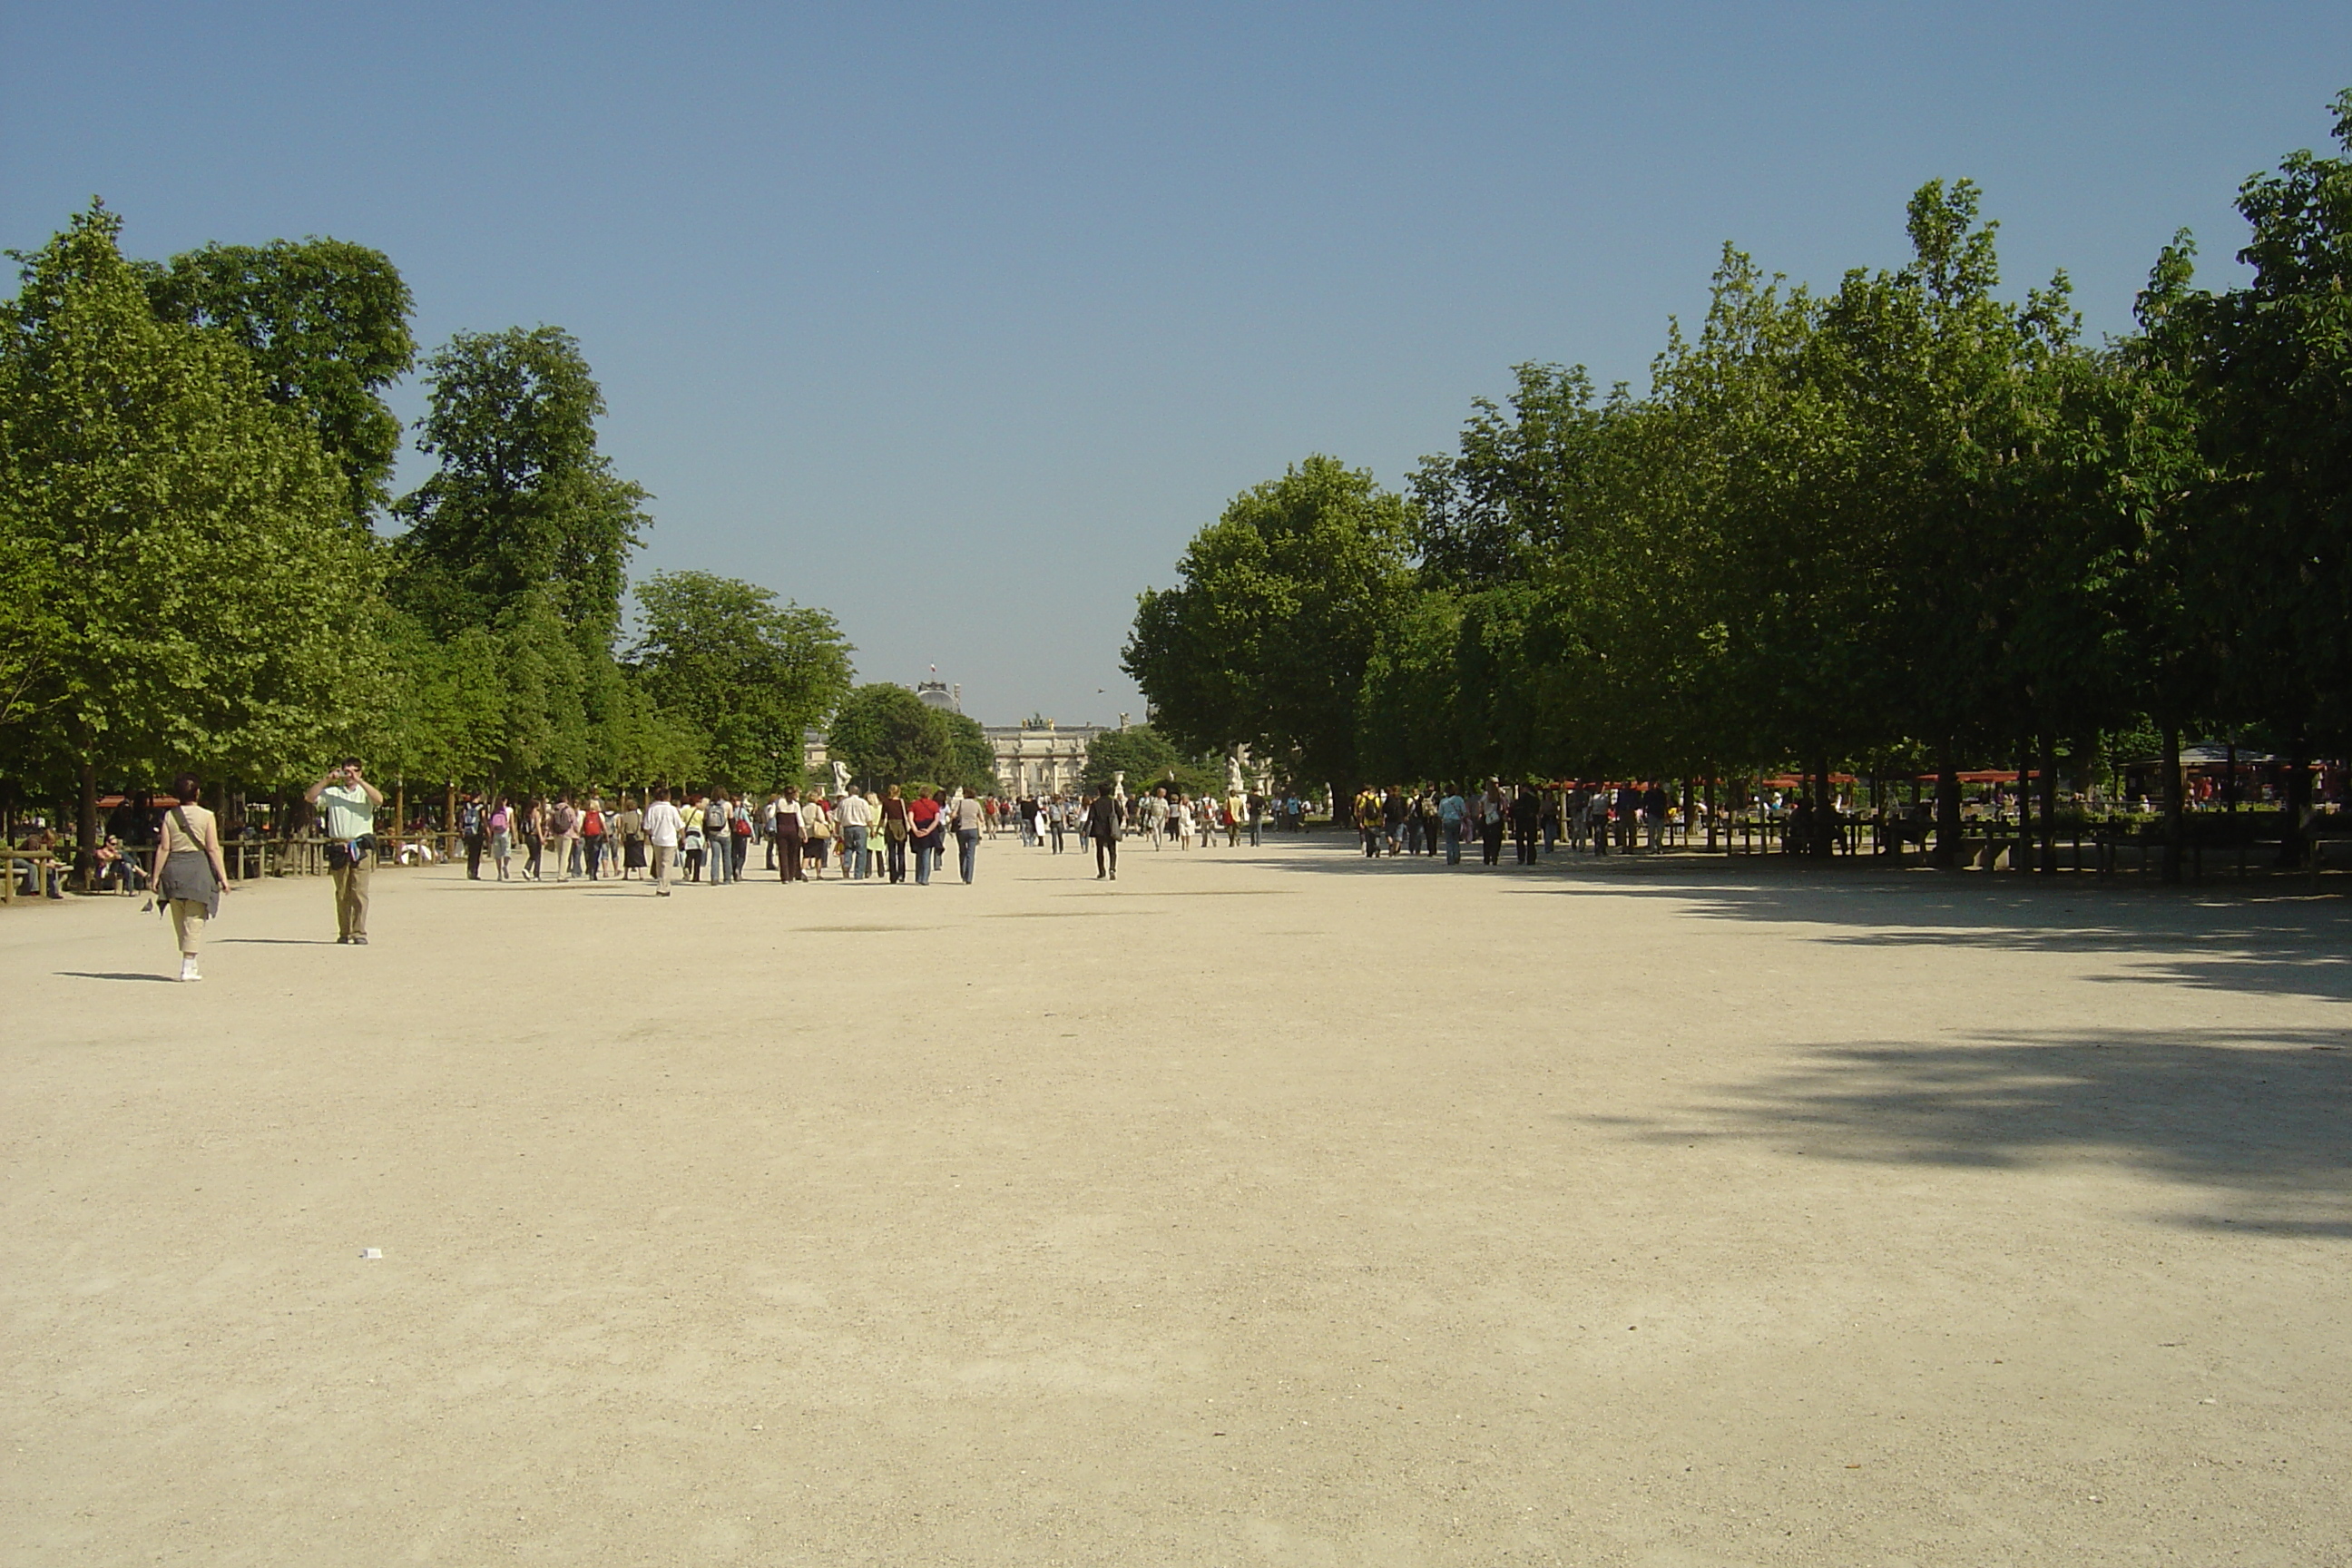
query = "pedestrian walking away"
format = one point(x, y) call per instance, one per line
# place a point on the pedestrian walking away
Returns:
point(968, 819)
point(928, 831)
point(665, 829)
point(896, 832)
point(1453, 814)
point(472, 827)
point(791, 838)
point(593, 833)
point(855, 815)
point(718, 836)
point(347, 805)
point(1103, 826)
point(1525, 812)
point(189, 877)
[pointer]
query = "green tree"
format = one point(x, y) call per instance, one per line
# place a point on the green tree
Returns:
point(2270, 365)
point(752, 674)
point(204, 602)
point(1266, 640)
point(885, 734)
point(1140, 752)
point(325, 324)
point(522, 501)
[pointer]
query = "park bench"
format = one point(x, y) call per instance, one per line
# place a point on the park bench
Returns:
point(43, 864)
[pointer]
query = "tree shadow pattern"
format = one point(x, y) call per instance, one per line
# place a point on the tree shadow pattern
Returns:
point(2262, 1119)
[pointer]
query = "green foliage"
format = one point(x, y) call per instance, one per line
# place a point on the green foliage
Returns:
point(2271, 367)
point(751, 674)
point(190, 455)
point(522, 503)
point(1265, 641)
point(885, 734)
point(1904, 522)
point(199, 600)
point(1140, 752)
point(325, 324)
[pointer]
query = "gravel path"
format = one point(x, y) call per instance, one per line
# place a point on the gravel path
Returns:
point(1264, 1206)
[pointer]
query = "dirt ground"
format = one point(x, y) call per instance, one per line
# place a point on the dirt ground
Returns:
point(1264, 1206)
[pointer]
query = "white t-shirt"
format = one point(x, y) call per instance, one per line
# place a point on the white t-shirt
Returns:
point(663, 824)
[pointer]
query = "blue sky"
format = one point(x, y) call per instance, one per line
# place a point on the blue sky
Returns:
point(959, 320)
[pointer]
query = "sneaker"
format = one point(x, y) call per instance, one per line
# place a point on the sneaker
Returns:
point(188, 967)
point(359, 941)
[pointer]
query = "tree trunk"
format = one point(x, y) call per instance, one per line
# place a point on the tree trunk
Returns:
point(2292, 846)
point(1710, 811)
point(2172, 821)
point(2049, 803)
point(1824, 828)
point(1947, 808)
point(86, 829)
point(2019, 856)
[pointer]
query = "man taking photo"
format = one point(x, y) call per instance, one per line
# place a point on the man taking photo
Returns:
point(347, 805)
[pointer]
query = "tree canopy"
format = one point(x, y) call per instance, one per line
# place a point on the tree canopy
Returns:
point(1911, 521)
point(754, 674)
point(197, 596)
point(885, 734)
point(192, 457)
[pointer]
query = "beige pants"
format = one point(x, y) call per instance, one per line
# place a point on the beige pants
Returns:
point(663, 854)
point(188, 924)
point(352, 896)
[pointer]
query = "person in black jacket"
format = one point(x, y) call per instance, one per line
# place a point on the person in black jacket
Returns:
point(1525, 812)
point(1102, 827)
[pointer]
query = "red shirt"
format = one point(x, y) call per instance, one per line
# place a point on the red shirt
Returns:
point(922, 813)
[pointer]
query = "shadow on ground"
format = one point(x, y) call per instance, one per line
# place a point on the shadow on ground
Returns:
point(2269, 938)
point(2263, 1116)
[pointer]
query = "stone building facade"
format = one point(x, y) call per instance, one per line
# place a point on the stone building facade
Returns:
point(1040, 757)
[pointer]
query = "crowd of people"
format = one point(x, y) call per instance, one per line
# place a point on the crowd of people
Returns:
point(1536, 819)
point(716, 836)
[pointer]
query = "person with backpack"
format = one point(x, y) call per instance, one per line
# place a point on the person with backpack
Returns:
point(501, 825)
point(718, 833)
point(470, 828)
point(593, 836)
point(562, 835)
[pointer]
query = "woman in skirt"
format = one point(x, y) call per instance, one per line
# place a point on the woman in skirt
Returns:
point(190, 878)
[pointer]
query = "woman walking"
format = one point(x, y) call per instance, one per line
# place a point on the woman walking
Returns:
point(816, 821)
point(692, 817)
point(190, 878)
point(629, 825)
point(534, 836)
point(501, 836)
point(894, 832)
point(927, 831)
point(792, 833)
